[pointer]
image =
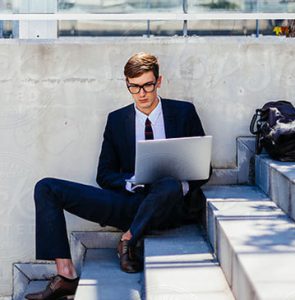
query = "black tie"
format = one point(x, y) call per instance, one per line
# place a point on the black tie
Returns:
point(148, 131)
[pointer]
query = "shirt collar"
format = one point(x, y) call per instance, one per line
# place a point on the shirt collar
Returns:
point(153, 116)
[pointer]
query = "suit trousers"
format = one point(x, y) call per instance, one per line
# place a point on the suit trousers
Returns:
point(158, 206)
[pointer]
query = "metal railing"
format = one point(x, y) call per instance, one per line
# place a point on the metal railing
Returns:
point(185, 16)
point(148, 16)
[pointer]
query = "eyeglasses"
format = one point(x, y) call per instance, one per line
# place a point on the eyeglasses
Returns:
point(147, 87)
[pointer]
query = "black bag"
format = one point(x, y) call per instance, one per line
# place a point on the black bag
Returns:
point(274, 126)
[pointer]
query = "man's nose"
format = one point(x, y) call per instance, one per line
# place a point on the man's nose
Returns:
point(142, 92)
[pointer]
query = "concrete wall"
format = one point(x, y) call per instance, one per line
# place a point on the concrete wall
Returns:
point(55, 97)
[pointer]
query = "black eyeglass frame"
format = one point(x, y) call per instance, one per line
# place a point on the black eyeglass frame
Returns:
point(141, 87)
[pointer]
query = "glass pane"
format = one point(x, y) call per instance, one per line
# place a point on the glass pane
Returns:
point(265, 6)
point(120, 28)
point(207, 6)
point(236, 27)
point(273, 6)
point(166, 28)
point(224, 28)
point(6, 6)
point(102, 28)
point(266, 27)
point(119, 6)
point(6, 29)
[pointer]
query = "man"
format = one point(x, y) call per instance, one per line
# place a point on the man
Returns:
point(133, 209)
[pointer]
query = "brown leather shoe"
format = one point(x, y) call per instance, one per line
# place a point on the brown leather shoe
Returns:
point(130, 262)
point(58, 288)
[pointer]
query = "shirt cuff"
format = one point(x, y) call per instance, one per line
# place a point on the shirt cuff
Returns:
point(185, 187)
point(128, 186)
point(131, 187)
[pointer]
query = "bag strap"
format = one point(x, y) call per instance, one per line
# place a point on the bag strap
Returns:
point(256, 122)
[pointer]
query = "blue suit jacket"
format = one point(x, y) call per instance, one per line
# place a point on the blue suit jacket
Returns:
point(117, 158)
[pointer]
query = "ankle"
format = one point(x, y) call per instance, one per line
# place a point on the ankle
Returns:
point(66, 268)
point(126, 236)
point(68, 275)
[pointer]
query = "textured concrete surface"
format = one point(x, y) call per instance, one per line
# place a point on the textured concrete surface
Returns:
point(35, 286)
point(81, 241)
point(278, 180)
point(262, 172)
point(96, 239)
point(245, 155)
point(102, 279)
point(280, 190)
point(179, 265)
point(55, 96)
point(293, 201)
point(232, 197)
point(255, 244)
point(243, 173)
point(25, 274)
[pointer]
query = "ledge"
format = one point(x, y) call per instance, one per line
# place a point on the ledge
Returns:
point(254, 242)
point(24, 273)
point(277, 179)
point(244, 172)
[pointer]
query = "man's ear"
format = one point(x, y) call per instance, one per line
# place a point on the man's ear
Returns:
point(159, 81)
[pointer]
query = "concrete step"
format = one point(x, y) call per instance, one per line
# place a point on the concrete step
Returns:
point(101, 276)
point(277, 179)
point(33, 277)
point(179, 264)
point(30, 278)
point(254, 241)
point(35, 286)
point(243, 173)
point(102, 279)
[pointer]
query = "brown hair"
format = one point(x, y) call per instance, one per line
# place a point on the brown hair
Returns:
point(140, 63)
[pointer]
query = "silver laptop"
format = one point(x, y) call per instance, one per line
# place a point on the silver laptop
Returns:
point(183, 158)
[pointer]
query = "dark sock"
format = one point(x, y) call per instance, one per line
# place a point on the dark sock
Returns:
point(68, 279)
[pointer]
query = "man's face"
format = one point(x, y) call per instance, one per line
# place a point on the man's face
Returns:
point(146, 100)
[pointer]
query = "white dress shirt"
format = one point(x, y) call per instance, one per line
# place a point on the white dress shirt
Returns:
point(157, 123)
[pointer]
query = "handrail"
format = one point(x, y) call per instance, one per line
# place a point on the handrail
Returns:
point(146, 16)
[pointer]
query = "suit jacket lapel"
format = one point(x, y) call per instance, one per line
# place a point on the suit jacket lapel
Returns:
point(169, 116)
point(130, 135)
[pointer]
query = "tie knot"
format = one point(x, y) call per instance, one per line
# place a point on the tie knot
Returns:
point(148, 122)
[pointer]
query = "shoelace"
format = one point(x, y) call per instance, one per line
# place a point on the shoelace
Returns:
point(124, 248)
point(53, 282)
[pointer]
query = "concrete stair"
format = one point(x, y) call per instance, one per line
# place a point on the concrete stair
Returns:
point(253, 255)
point(102, 278)
point(277, 179)
point(32, 276)
point(179, 264)
point(251, 230)
point(254, 241)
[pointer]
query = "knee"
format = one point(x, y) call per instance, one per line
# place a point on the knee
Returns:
point(41, 187)
point(170, 185)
